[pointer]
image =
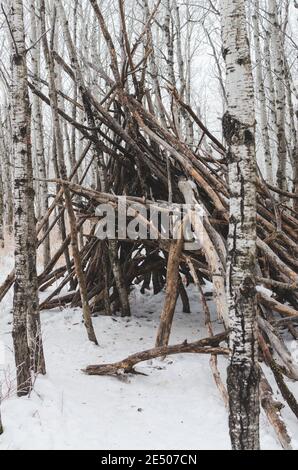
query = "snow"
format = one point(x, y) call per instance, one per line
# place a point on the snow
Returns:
point(176, 406)
point(263, 290)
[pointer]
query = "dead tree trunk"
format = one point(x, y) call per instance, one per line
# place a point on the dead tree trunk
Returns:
point(202, 346)
point(239, 132)
point(166, 319)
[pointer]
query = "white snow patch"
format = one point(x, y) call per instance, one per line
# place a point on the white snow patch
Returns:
point(263, 290)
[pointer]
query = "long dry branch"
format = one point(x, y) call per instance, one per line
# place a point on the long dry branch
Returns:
point(203, 346)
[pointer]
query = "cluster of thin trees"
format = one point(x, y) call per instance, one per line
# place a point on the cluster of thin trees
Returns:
point(62, 54)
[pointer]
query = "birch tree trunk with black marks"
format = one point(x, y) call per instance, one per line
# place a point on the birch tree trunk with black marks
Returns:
point(260, 88)
point(293, 134)
point(37, 126)
point(239, 132)
point(6, 176)
point(189, 131)
point(279, 73)
point(33, 319)
point(272, 120)
point(21, 142)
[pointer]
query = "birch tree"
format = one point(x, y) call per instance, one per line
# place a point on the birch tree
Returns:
point(22, 186)
point(6, 175)
point(37, 126)
point(279, 73)
point(270, 86)
point(239, 132)
point(260, 88)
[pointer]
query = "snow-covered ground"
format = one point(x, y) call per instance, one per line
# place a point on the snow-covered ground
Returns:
point(176, 406)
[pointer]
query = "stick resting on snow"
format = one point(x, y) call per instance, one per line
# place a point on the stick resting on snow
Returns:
point(203, 346)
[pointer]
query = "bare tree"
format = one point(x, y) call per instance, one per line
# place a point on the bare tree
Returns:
point(22, 192)
point(279, 73)
point(37, 126)
point(6, 171)
point(239, 132)
point(260, 88)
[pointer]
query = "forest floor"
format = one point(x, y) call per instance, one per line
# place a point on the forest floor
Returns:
point(176, 406)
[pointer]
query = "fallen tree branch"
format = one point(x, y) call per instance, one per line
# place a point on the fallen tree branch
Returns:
point(167, 314)
point(273, 304)
point(280, 347)
point(203, 346)
point(284, 389)
point(272, 409)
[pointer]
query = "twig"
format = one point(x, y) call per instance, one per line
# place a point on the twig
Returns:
point(37, 41)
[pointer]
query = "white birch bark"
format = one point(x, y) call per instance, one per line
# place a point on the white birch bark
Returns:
point(37, 126)
point(170, 69)
point(260, 87)
point(239, 133)
point(6, 177)
point(270, 88)
point(279, 74)
point(293, 128)
point(21, 140)
point(189, 131)
point(154, 67)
